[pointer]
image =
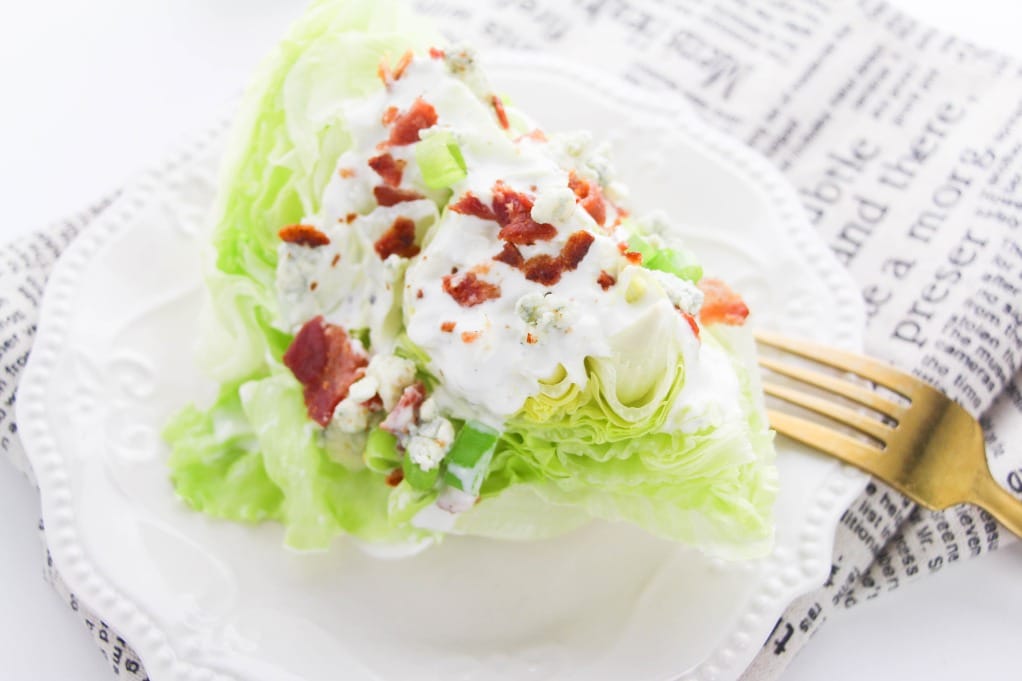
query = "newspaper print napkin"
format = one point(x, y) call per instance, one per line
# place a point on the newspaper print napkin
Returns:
point(905, 146)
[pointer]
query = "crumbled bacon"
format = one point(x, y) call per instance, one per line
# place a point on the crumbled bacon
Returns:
point(605, 280)
point(406, 127)
point(691, 322)
point(590, 196)
point(470, 290)
point(303, 235)
point(436, 53)
point(448, 327)
point(575, 249)
point(374, 403)
point(543, 269)
point(406, 412)
point(336, 259)
point(398, 240)
point(389, 168)
point(391, 196)
point(634, 257)
point(510, 256)
point(721, 305)
point(470, 336)
point(530, 339)
point(346, 172)
point(469, 204)
point(419, 294)
point(535, 134)
point(313, 286)
point(350, 217)
point(324, 361)
point(402, 64)
point(395, 477)
point(498, 108)
point(389, 114)
point(514, 215)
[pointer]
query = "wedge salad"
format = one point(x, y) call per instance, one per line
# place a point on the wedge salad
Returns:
point(430, 315)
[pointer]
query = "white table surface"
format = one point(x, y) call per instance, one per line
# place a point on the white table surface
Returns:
point(91, 90)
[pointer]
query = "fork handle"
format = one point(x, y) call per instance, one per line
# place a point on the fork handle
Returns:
point(1000, 503)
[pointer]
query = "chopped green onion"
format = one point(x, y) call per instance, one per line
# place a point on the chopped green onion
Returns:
point(418, 478)
point(440, 160)
point(679, 263)
point(381, 455)
point(470, 456)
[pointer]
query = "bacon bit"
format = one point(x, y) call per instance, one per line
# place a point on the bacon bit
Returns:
point(471, 290)
point(605, 280)
point(634, 257)
point(395, 477)
point(589, 196)
point(420, 115)
point(481, 268)
point(470, 336)
point(398, 240)
point(313, 286)
point(391, 196)
point(419, 294)
point(326, 364)
point(469, 204)
point(691, 321)
point(303, 235)
point(575, 249)
point(374, 403)
point(514, 215)
point(448, 327)
point(510, 256)
point(721, 305)
point(543, 269)
point(346, 172)
point(402, 64)
point(383, 71)
point(530, 339)
point(388, 168)
point(498, 107)
point(336, 259)
point(536, 134)
point(350, 217)
point(437, 53)
point(406, 411)
point(389, 114)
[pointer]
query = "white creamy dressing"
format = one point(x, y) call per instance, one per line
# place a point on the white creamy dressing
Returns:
point(496, 355)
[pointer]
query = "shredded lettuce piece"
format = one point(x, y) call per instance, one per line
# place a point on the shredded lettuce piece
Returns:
point(440, 160)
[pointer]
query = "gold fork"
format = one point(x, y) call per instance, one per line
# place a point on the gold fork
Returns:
point(928, 448)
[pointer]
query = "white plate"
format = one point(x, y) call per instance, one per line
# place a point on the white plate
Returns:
point(202, 599)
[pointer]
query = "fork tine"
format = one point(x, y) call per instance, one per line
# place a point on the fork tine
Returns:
point(838, 386)
point(841, 446)
point(849, 417)
point(872, 370)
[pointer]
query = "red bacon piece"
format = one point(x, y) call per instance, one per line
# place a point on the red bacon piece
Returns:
point(543, 269)
point(402, 64)
point(324, 361)
point(514, 215)
point(575, 249)
point(406, 127)
point(498, 108)
point(605, 280)
point(470, 204)
point(436, 53)
point(399, 239)
point(589, 196)
point(470, 290)
point(510, 256)
point(303, 235)
point(721, 305)
point(388, 168)
point(391, 196)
